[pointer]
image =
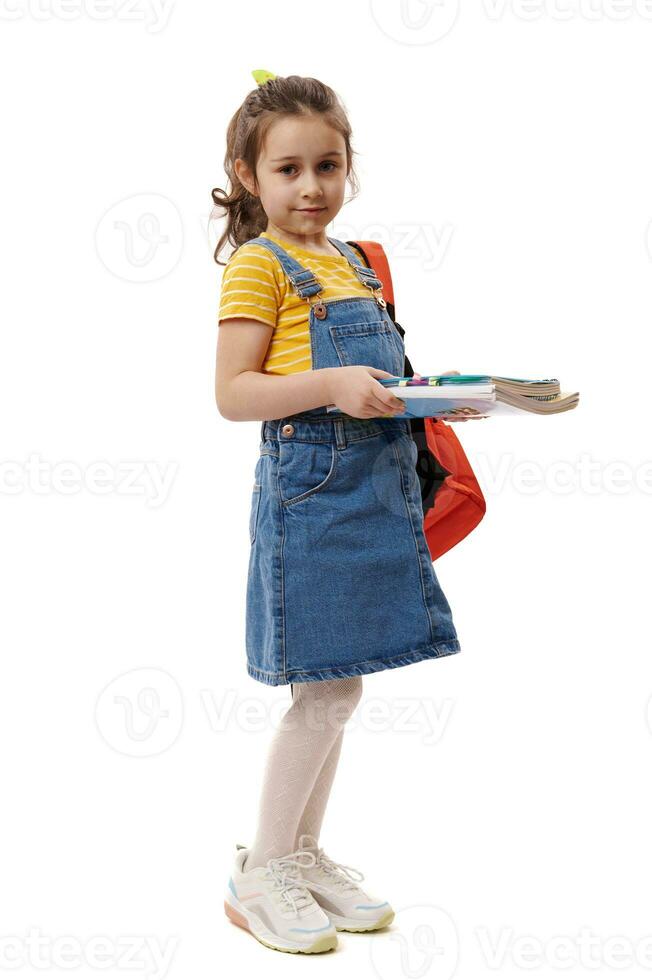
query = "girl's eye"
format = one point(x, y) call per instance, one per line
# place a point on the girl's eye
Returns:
point(290, 166)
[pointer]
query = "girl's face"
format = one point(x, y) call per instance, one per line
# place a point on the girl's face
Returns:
point(302, 166)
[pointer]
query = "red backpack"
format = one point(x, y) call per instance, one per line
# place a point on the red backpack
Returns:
point(452, 501)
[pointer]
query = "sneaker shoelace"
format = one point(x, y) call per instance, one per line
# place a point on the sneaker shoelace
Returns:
point(284, 872)
point(342, 874)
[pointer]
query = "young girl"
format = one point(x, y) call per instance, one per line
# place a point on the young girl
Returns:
point(340, 580)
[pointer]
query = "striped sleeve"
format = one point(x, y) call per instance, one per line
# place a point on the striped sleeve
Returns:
point(249, 286)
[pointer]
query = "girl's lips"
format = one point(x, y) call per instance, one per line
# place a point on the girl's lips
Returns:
point(310, 210)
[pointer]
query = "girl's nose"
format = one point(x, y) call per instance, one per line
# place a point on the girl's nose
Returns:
point(312, 193)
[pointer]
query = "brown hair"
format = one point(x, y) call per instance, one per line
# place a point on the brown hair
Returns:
point(278, 97)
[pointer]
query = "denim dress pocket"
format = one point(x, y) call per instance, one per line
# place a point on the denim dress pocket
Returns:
point(353, 342)
point(305, 468)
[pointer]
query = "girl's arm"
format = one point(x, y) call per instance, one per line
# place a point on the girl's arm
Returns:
point(244, 394)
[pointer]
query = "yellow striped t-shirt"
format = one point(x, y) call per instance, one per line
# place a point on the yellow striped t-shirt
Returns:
point(255, 286)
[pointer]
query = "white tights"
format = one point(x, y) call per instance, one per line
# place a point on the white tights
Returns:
point(301, 766)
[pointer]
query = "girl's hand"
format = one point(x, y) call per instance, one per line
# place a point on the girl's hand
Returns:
point(355, 392)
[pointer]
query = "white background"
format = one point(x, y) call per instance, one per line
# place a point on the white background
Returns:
point(505, 153)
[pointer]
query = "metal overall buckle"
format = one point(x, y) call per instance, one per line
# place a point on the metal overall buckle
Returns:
point(319, 307)
point(379, 299)
point(321, 311)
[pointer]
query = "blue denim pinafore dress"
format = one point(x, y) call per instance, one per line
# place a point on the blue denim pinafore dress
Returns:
point(340, 578)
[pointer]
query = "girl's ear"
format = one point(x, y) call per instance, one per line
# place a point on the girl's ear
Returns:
point(244, 175)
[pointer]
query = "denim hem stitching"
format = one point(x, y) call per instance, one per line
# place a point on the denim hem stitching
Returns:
point(444, 648)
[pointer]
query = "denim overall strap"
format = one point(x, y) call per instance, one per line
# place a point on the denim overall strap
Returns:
point(304, 280)
point(366, 276)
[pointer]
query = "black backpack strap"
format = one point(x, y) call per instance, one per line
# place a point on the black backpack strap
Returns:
point(408, 370)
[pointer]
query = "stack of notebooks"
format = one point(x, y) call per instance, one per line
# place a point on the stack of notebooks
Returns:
point(454, 397)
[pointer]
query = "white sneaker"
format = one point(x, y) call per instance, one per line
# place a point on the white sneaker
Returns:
point(273, 904)
point(349, 908)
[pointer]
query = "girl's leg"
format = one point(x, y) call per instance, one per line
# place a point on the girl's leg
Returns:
point(308, 731)
point(314, 810)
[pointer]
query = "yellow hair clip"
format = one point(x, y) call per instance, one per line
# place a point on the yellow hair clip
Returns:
point(261, 75)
